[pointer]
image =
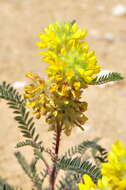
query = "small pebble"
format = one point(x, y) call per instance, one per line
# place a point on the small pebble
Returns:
point(19, 84)
point(119, 10)
point(109, 37)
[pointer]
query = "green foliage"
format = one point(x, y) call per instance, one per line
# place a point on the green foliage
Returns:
point(98, 152)
point(8, 187)
point(74, 167)
point(38, 154)
point(113, 76)
point(30, 170)
point(5, 186)
point(44, 174)
point(27, 127)
point(69, 182)
point(29, 143)
point(82, 167)
point(26, 124)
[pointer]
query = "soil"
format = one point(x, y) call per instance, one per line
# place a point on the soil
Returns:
point(20, 23)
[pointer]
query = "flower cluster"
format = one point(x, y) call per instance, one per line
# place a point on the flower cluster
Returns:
point(40, 97)
point(68, 55)
point(71, 67)
point(114, 171)
point(36, 96)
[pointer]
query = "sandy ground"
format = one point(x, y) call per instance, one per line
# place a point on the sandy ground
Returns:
point(20, 22)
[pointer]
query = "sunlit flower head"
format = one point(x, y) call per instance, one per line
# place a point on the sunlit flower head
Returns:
point(103, 184)
point(57, 35)
point(88, 183)
point(115, 168)
point(67, 52)
point(71, 68)
point(113, 171)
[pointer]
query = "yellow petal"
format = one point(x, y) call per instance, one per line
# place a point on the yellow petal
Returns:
point(69, 74)
point(76, 85)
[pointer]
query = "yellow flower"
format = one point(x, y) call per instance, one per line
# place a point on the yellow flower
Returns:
point(76, 85)
point(35, 95)
point(67, 53)
point(113, 172)
point(103, 184)
point(56, 102)
point(76, 64)
point(72, 67)
point(88, 183)
point(69, 74)
point(115, 168)
point(57, 35)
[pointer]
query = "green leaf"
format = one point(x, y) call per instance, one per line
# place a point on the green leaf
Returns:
point(36, 138)
point(44, 174)
point(113, 76)
point(4, 185)
point(30, 120)
point(28, 142)
point(28, 170)
point(84, 146)
point(16, 103)
point(24, 164)
point(26, 116)
point(18, 118)
point(69, 182)
point(31, 126)
point(82, 167)
point(22, 127)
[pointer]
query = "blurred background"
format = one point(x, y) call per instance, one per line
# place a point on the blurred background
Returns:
point(20, 23)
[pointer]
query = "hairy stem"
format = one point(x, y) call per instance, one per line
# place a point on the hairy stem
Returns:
point(56, 151)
